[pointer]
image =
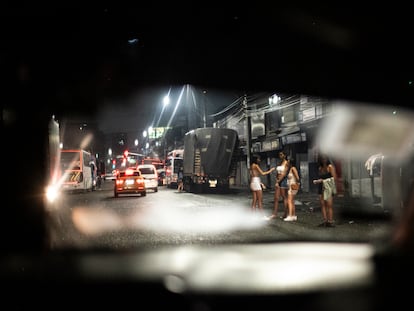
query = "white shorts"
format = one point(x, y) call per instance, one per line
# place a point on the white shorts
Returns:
point(255, 184)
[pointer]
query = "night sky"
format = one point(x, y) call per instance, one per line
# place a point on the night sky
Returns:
point(74, 60)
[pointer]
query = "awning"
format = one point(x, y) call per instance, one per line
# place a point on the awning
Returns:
point(288, 130)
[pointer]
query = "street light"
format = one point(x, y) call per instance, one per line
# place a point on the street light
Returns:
point(136, 143)
point(145, 134)
point(166, 99)
point(165, 103)
point(204, 108)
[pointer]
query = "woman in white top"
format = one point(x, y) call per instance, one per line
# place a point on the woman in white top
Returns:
point(292, 179)
point(281, 186)
point(256, 184)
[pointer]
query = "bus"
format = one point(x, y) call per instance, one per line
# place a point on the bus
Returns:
point(154, 161)
point(173, 162)
point(78, 169)
point(121, 162)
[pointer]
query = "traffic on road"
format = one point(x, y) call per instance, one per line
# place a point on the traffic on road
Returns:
point(184, 217)
point(151, 154)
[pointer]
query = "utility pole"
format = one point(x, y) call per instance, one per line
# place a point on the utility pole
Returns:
point(204, 109)
point(248, 132)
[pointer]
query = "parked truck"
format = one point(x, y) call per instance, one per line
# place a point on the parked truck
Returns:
point(209, 159)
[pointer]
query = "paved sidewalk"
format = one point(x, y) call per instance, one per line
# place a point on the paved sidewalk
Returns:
point(304, 201)
point(308, 202)
point(308, 199)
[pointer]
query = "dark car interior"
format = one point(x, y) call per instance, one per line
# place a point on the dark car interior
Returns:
point(68, 59)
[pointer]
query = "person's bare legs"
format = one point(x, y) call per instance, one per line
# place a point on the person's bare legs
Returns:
point(275, 203)
point(254, 200)
point(291, 211)
point(283, 193)
point(260, 201)
point(329, 211)
point(323, 209)
point(291, 214)
point(293, 205)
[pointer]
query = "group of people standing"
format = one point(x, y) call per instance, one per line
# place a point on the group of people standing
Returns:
point(287, 186)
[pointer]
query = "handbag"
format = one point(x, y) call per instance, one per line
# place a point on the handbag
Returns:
point(294, 186)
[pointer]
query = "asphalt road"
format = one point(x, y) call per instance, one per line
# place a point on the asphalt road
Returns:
point(98, 220)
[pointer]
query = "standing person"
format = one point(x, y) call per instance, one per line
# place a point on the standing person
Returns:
point(256, 183)
point(281, 186)
point(293, 181)
point(180, 179)
point(326, 189)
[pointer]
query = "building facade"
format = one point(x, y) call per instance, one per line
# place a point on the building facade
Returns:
point(270, 123)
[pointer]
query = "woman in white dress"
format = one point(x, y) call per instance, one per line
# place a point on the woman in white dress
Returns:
point(292, 180)
point(281, 186)
point(256, 184)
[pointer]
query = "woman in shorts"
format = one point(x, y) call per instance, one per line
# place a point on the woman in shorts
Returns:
point(256, 184)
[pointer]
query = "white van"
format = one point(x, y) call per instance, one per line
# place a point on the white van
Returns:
point(149, 172)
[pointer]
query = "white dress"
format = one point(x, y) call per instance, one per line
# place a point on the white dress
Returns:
point(255, 184)
point(291, 179)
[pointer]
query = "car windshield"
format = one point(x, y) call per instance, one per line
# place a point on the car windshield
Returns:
point(320, 137)
point(268, 127)
point(208, 138)
point(147, 170)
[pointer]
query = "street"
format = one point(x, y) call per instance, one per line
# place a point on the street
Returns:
point(99, 220)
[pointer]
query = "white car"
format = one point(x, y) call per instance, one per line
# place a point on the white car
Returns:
point(149, 172)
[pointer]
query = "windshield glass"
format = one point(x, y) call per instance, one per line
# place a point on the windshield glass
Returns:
point(70, 160)
point(285, 133)
point(267, 130)
point(349, 171)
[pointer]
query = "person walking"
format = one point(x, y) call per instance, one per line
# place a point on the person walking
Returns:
point(326, 189)
point(293, 181)
point(281, 186)
point(180, 187)
point(256, 183)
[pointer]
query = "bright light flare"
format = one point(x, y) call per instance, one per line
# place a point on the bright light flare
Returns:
point(52, 193)
point(360, 130)
point(53, 190)
point(282, 268)
point(173, 219)
point(93, 221)
point(269, 268)
point(166, 100)
point(212, 220)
